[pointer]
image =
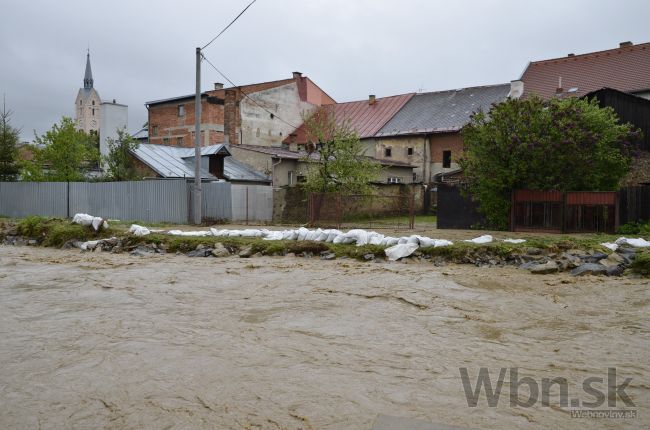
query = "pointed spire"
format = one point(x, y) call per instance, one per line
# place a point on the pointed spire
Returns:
point(88, 77)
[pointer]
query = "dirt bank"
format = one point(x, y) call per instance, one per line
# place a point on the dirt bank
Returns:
point(113, 341)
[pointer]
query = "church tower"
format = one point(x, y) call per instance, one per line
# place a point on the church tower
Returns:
point(88, 103)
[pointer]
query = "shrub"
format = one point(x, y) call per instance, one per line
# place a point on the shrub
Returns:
point(641, 264)
point(33, 226)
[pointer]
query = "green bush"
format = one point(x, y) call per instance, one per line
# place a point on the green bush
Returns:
point(33, 226)
point(641, 264)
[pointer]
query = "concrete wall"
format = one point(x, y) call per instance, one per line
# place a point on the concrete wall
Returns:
point(114, 116)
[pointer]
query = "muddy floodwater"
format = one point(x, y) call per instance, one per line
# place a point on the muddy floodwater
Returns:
point(168, 342)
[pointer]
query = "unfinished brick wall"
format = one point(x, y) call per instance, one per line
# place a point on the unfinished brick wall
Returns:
point(171, 126)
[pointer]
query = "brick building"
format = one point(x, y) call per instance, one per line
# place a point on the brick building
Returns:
point(257, 114)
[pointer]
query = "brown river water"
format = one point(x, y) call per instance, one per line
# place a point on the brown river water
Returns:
point(99, 340)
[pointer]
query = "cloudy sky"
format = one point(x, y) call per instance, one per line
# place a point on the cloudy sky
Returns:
point(144, 50)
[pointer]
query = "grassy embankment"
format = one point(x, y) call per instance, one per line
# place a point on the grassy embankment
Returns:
point(54, 232)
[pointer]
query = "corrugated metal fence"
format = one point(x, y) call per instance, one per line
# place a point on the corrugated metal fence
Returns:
point(19, 199)
point(216, 200)
point(252, 203)
point(147, 201)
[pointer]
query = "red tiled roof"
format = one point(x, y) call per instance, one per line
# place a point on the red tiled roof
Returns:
point(365, 118)
point(626, 69)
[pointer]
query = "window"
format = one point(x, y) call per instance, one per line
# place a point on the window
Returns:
point(394, 180)
point(290, 177)
point(257, 133)
point(154, 130)
point(181, 110)
point(409, 151)
point(446, 159)
point(272, 116)
point(179, 141)
point(81, 102)
point(388, 152)
point(301, 179)
point(415, 177)
point(93, 112)
point(93, 102)
point(165, 141)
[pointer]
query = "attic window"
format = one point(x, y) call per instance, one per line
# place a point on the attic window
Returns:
point(409, 151)
point(93, 102)
point(388, 152)
point(181, 110)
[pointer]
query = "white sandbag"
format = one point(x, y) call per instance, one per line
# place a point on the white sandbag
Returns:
point(90, 245)
point(486, 238)
point(375, 238)
point(637, 243)
point(89, 220)
point(333, 233)
point(389, 241)
point(611, 246)
point(322, 235)
point(250, 233)
point(312, 235)
point(290, 235)
point(189, 233)
point(139, 230)
point(400, 251)
point(234, 233)
point(342, 239)
point(514, 240)
point(426, 242)
point(302, 233)
point(442, 242)
point(358, 236)
point(274, 235)
point(402, 240)
point(414, 238)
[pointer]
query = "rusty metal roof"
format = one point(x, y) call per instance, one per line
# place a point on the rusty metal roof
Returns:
point(626, 69)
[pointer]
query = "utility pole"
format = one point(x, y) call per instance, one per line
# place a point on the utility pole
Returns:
point(197, 206)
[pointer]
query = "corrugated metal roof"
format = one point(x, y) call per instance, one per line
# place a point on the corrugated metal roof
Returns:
point(626, 69)
point(443, 111)
point(173, 162)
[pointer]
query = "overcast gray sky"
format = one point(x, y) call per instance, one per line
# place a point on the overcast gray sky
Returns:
point(144, 50)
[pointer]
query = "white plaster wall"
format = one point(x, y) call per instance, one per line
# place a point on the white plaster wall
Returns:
point(113, 117)
point(258, 128)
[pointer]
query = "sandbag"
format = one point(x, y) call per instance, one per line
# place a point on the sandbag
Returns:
point(138, 230)
point(400, 251)
point(637, 243)
point(486, 238)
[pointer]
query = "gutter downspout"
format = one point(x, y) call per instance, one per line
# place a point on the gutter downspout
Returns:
point(273, 171)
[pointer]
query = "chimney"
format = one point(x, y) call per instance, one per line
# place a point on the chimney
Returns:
point(372, 99)
point(297, 75)
point(625, 44)
point(516, 89)
point(218, 85)
point(571, 55)
point(230, 118)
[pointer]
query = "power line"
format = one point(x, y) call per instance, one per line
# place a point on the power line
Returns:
point(231, 23)
point(244, 93)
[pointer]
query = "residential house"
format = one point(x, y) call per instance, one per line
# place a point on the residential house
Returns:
point(289, 167)
point(626, 69)
point(258, 114)
point(159, 161)
point(619, 78)
point(366, 117)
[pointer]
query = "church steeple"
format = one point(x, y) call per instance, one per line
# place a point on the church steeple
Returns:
point(88, 76)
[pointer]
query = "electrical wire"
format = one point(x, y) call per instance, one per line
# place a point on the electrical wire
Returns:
point(228, 26)
point(246, 95)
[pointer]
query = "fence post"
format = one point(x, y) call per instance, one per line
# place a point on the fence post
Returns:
point(339, 215)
